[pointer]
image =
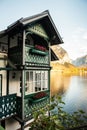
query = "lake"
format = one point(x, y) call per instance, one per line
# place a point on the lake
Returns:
point(73, 89)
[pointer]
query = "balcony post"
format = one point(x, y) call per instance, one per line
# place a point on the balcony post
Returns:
point(23, 80)
point(22, 126)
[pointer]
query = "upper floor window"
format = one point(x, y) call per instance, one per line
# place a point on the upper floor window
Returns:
point(15, 40)
point(3, 47)
point(29, 40)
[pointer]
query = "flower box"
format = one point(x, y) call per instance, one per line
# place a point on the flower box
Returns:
point(38, 97)
point(38, 52)
point(41, 48)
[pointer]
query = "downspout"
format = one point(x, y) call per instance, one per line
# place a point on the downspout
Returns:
point(8, 70)
point(49, 73)
point(23, 80)
point(49, 64)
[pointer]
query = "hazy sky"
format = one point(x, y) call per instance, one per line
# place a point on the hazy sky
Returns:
point(69, 16)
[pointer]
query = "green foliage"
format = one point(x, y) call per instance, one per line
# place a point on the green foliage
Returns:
point(1, 128)
point(47, 119)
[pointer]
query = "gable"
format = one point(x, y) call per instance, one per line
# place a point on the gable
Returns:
point(46, 21)
point(38, 29)
point(41, 24)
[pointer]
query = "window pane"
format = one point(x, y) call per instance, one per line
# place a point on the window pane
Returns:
point(31, 76)
point(45, 80)
point(29, 82)
point(37, 81)
point(27, 76)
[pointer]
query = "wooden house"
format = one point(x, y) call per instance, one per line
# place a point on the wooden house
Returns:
point(25, 57)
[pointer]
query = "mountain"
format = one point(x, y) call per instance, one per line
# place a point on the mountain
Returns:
point(81, 61)
point(66, 68)
point(64, 64)
point(61, 54)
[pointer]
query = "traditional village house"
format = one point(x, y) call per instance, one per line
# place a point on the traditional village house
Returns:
point(25, 57)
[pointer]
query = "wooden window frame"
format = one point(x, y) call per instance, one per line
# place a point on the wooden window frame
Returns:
point(37, 81)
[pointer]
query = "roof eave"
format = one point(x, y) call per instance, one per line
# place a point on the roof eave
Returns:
point(23, 22)
point(40, 16)
point(2, 33)
point(31, 19)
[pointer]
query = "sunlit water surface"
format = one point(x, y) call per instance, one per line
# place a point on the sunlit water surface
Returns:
point(73, 90)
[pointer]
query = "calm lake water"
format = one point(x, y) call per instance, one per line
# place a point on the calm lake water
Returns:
point(73, 90)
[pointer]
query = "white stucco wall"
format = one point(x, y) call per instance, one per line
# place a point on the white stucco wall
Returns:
point(3, 72)
point(14, 83)
point(12, 124)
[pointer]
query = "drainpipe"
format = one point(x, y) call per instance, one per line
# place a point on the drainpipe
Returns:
point(23, 80)
point(22, 124)
point(7, 91)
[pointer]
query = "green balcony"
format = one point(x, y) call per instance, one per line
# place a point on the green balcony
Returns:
point(35, 102)
point(7, 106)
point(11, 105)
point(36, 57)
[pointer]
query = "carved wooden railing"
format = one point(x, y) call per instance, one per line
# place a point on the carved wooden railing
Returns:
point(7, 106)
point(35, 102)
point(11, 105)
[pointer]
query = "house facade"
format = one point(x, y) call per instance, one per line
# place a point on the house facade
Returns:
point(25, 56)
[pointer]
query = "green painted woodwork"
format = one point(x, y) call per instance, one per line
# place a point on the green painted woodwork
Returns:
point(38, 52)
point(39, 30)
point(6, 68)
point(39, 58)
point(24, 54)
point(31, 105)
point(15, 55)
point(19, 107)
point(31, 56)
point(7, 106)
point(11, 105)
point(29, 109)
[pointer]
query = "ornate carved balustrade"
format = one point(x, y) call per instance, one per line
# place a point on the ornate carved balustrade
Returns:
point(34, 56)
point(35, 102)
point(7, 106)
point(11, 105)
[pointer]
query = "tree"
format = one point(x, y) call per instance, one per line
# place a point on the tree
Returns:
point(53, 117)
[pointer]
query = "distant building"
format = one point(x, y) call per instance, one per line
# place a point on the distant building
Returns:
point(25, 56)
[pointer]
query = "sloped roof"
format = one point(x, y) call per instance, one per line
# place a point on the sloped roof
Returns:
point(45, 19)
point(2, 33)
point(53, 56)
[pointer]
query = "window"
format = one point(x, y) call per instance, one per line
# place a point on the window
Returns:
point(29, 40)
point(44, 79)
point(36, 81)
point(3, 47)
point(16, 40)
point(0, 85)
point(13, 41)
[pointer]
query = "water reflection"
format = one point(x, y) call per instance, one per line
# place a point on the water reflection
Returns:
point(59, 83)
point(73, 90)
